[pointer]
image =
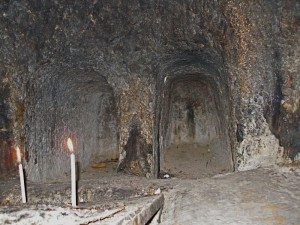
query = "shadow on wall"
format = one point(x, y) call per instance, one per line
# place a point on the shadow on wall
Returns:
point(7, 154)
point(138, 151)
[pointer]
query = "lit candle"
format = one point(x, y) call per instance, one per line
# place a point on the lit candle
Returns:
point(73, 172)
point(21, 173)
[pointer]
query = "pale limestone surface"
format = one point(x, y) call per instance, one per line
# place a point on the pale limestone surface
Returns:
point(262, 196)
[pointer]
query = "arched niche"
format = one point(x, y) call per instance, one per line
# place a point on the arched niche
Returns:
point(70, 103)
point(193, 119)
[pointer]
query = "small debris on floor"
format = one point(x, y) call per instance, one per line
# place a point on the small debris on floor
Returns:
point(157, 192)
point(166, 176)
point(99, 165)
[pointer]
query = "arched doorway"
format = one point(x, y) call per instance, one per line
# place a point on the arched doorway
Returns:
point(195, 142)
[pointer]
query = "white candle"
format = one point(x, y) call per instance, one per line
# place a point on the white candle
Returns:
point(21, 173)
point(73, 173)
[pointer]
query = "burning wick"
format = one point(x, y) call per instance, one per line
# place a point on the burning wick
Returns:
point(21, 173)
point(73, 172)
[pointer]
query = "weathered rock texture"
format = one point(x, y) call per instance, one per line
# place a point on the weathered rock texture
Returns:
point(101, 72)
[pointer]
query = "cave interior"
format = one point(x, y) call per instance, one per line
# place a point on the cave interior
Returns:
point(148, 91)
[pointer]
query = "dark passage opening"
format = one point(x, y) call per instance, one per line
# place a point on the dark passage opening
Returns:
point(195, 140)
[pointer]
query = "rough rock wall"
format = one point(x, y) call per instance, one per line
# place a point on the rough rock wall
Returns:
point(6, 139)
point(286, 118)
point(250, 48)
point(257, 61)
point(254, 46)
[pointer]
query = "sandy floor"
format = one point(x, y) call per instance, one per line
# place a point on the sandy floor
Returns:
point(195, 161)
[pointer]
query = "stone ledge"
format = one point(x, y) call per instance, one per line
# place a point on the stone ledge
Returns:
point(134, 212)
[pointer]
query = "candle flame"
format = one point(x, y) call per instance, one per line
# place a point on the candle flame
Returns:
point(18, 154)
point(70, 145)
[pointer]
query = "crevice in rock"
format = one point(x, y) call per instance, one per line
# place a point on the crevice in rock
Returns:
point(138, 153)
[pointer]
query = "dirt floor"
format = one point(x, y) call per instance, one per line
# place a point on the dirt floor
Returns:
point(262, 196)
point(195, 161)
